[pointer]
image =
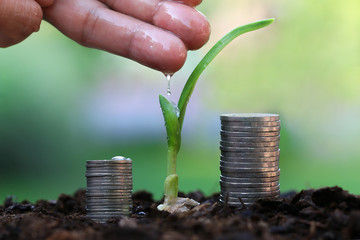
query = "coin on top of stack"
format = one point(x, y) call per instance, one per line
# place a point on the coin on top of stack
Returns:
point(249, 161)
point(109, 188)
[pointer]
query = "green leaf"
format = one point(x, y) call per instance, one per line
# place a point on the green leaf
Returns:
point(213, 52)
point(171, 113)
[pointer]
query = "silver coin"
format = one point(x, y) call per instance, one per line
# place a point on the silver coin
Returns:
point(248, 170)
point(112, 171)
point(254, 139)
point(245, 199)
point(236, 200)
point(108, 163)
point(118, 207)
point(109, 200)
point(236, 194)
point(248, 180)
point(250, 129)
point(108, 209)
point(248, 134)
point(109, 170)
point(112, 165)
point(249, 144)
point(95, 205)
point(247, 195)
point(118, 183)
point(104, 217)
point(248, 149)
point(251, 124)
point(249, 159)
point(107, 194)
point(108, 203)
point(105, 190)
point(251, 154)
point(110, 177)
point(249, 185)
point(250, 189)
point(248, 164)
point(105, 161)
point(110, 187)
point(251, 139)
point(251, 174)
point(237, 203)
point(250, 117)
point(109, 214)
point(126, 182)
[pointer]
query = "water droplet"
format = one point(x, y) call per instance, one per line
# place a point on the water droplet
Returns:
point(176, 109)
point(168, 77)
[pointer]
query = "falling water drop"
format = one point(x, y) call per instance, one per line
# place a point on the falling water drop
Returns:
point(168, 77)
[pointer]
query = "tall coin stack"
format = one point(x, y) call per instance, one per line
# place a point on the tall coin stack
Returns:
point(109, 188)
point(250, 155)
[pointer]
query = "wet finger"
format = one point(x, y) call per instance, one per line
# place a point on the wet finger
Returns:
point(45, 3)
point(92, 24)
point(182, 20)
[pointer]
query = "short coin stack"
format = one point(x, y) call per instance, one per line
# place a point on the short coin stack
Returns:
point(109, 188)
point(250, 155)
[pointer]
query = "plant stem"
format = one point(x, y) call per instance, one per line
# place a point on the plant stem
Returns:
point(171, 161)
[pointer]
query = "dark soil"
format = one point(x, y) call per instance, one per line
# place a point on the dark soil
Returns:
point(327, 213)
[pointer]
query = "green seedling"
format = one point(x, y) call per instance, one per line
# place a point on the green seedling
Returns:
point(174, 117)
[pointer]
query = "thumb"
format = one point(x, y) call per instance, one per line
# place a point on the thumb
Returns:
point(18, 19)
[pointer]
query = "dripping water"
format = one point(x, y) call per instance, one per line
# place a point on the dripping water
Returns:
point(168, 77)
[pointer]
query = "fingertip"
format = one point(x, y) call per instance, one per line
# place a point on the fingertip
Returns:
point(202, 35)
point(192, 3)
point(187, 23)
point(159, 50)
point(45, 3)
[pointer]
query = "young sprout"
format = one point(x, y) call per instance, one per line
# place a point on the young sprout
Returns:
point(174, 118)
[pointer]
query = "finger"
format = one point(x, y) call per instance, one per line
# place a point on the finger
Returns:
point(18, 19)
point(192, 3)
point(182, 20)
point(45, 3)
point(187, 23)
point(91, 24)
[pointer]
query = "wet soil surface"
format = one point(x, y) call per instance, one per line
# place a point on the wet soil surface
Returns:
point(326, 213)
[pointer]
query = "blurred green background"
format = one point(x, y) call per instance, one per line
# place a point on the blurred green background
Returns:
point(61, 103)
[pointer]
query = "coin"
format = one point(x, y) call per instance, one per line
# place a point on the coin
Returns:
point(251, 139)
point(250, 154)
point(250, 124)
point(113, 161)
point(250, 189)
point(249, 145)
point(250, 129)
point(249, 180)
point(248, 185)
point(247, 201)
point(241, 159)
point(248, 134)
point(248, 170)
point(253, 117)
point(248, 165)
point(247, 195)
point(104, 201)
point(251, 174)
point(248, 149)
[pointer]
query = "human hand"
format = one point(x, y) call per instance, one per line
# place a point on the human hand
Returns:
point(19, 19)
point(155, 33)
